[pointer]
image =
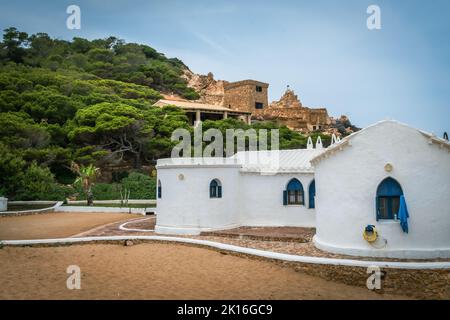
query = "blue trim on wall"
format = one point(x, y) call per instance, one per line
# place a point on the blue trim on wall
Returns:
point(285, 199)
point(312, 193)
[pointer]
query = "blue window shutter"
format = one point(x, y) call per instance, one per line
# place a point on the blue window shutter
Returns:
point(219, 192)
point(312, 193)
point(377, 205)
point(285, 198)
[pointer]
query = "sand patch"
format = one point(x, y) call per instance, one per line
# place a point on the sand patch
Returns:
point(158, 271)
point(55, 225)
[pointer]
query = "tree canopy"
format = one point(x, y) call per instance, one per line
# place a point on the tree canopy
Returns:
point(89, 102)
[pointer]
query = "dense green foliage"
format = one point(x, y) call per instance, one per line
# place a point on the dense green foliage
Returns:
point(109, 58)
point(90, 102)
point(27, 181)
point(139, 186)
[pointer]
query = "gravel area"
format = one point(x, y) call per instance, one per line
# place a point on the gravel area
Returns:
point(286, 234)
point(55, 224)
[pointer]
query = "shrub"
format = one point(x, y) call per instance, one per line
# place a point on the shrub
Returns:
point(11, 167)
point(141, 186)
point(39, 184)
point(101, 191)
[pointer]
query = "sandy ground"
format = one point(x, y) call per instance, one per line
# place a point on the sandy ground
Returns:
point(55, 225)
point(158, 271)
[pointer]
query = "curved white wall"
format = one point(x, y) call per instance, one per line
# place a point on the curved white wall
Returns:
point(185, 206)
point(346, 185)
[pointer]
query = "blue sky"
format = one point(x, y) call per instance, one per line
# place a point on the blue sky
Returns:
point(321, 48)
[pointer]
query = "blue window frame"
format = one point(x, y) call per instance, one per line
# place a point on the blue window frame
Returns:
point(215, 189)
point(388, 199)
point(312, 194)
point(159, 189)
point(293, 195)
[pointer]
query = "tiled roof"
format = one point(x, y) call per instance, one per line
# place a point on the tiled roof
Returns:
point(277, 161)
point(197, 162)
point(264, 162)
point(194, 105)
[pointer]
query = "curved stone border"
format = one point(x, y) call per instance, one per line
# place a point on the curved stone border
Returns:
point(33, 211)
point(243, 250)
point(122, 226)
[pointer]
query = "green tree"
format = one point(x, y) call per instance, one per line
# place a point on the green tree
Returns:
point(114, 127)
point(11, 171)
point(18, 130)
point(14, 44)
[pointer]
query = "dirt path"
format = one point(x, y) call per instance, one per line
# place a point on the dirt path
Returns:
point(55, 225)
point(158, 271)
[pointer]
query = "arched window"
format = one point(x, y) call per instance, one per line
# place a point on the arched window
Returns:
point(293, 193)
point(159, 189)
point(388, 199)
point(312, 194)
point(215, 189)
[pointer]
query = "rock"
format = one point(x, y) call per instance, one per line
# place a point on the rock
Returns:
point(128, 243)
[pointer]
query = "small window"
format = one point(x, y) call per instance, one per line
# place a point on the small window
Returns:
point(259, 105)
point(215, 189)
point(293, 195)
point(159, 189)
point(258, 89)
point(388, 199)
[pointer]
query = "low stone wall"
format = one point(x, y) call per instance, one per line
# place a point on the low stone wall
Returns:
point(91, 209)
point(30, 212)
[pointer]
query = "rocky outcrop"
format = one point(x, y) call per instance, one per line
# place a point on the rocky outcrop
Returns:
point(288, 100)
point(342, 126)
point(211, 91)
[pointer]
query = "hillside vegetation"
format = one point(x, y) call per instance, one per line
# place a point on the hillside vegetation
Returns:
point(89, 102)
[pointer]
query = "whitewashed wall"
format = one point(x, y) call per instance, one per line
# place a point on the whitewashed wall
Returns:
point(262, 201)
point(247, 200)
point(185, 206)
point(347, 182)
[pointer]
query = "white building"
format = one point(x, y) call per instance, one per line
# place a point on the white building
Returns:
point(359, 181)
